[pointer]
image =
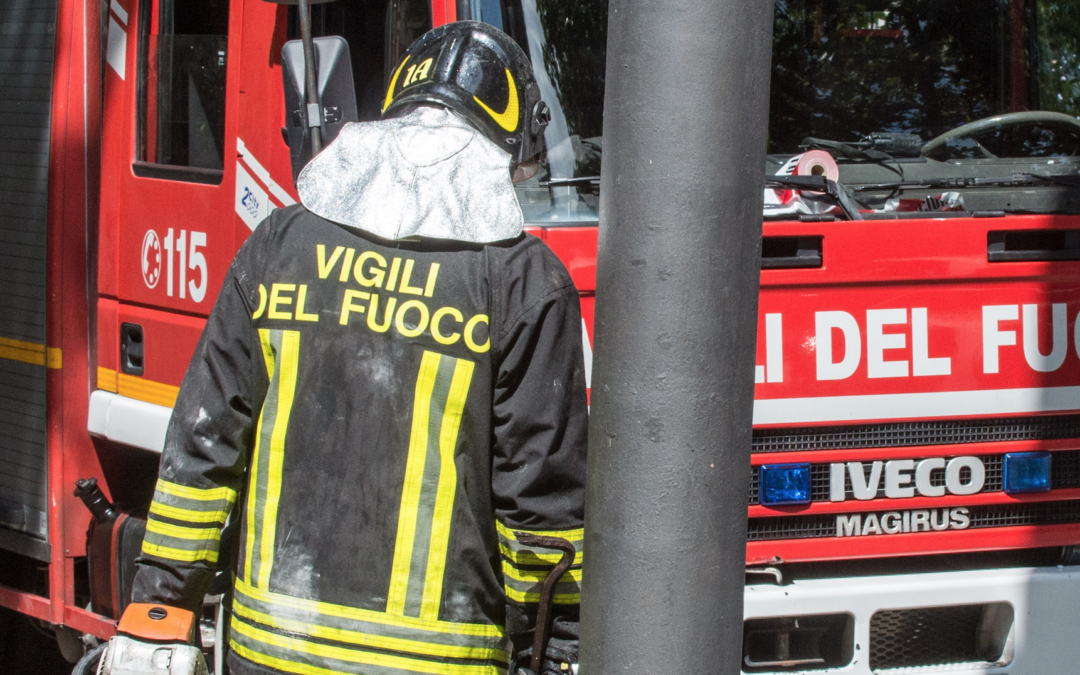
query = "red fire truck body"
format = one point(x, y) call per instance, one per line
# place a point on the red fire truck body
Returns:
point(900, 359)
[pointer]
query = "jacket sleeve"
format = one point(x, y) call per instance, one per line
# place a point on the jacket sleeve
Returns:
point(541, 426)
point(205, 454)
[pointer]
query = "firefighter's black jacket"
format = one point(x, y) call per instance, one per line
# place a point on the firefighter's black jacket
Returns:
point(387, 415)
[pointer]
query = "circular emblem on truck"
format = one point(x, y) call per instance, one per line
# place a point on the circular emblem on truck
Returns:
point(151, 259)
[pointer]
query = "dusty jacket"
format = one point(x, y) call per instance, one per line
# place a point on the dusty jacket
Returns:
point(387, 413)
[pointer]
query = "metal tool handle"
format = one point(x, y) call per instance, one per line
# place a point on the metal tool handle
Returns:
point(547, 591)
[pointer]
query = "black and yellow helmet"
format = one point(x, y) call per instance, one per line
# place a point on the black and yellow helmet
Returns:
point(479, 72)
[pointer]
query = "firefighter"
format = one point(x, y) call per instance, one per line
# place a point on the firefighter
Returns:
point(389, 386)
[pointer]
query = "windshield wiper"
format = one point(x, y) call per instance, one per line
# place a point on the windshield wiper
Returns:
point(879, 148)
point(1063, 180)
point(1017, 180)
point(570, 182)
point(810, 183)
point(818, 184)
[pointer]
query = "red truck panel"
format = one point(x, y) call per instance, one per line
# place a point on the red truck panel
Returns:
point(927, 316)
point(918, 324)
point(914, 331)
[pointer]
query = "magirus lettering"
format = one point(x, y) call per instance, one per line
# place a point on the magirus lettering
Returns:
point(898, 522)
point(904, 477)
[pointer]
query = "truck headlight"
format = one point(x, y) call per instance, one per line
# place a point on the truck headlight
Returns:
point(785, 484)
point(1027, 472)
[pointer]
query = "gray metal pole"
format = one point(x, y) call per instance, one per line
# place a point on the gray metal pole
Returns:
point(311, 80)
point(685, 119)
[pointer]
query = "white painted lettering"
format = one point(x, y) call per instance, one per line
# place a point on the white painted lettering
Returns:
point(897, 477)
point(849, 526)
point(824, 324)
point(960, 519)
point(1076, 334)
point(943, 523)
point(890, 522)
point(837, 491)
point(952, 475)
point(921, 363)
point(897, 522)
point(922, 477)
point(1060, 343)
point(862, 487)
point(920, 521)
point(877, 341)
point(774, 348)
point(993, 337)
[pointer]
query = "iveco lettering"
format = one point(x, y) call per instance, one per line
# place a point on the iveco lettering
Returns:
point(903, 478)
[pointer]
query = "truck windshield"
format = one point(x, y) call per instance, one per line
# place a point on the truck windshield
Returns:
point(990, 87)
point(846, 69)
point(566, 42)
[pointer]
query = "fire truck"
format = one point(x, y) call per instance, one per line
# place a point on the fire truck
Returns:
point(915, 495)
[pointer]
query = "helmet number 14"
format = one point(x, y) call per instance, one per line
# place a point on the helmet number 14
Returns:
point(417, 72)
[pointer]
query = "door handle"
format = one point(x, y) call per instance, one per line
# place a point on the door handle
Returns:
point(791, 252)
point(1032, 245)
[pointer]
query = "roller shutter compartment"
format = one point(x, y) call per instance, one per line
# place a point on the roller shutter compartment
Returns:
point(27, 41)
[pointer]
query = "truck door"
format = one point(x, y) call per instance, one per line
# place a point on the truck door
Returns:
point(167, 231)
point(193, 159)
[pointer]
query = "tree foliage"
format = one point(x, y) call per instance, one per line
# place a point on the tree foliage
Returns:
point(1059, 55)
point(845, 69)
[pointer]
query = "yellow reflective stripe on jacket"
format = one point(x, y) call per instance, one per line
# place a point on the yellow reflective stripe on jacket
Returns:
point(199, 494)
point(280, 604)
point(281, 351)
point(520, 554)
point(180, 555)
point(188, 515)
point(181, 542)
point(410, 493)
point(297, 651)
point(444, 497)
point(367, 639)
point(358, 641)
point(423, 535)
point(539, 556)
point(189, 504)
point(538, 576)
point(525, 585)
point(572, 535)
point(557, 598)
point(181, 532)
point(269, 357)
point(526, 567)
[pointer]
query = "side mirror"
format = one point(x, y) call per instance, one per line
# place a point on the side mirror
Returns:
point(336, 92)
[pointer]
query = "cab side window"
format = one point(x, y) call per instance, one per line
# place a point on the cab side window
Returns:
point(362, 24)
point(406, 20)
point(183, 48)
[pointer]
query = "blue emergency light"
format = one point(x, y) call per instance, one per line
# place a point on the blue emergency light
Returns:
point(785, 484)
point(1027, 472)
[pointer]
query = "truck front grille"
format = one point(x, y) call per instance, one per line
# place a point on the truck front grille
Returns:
point(927, 636)
point(995, 515)
point(1064, 473)
point(907, 434)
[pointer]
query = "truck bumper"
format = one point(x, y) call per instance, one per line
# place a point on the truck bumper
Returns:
point(1041, 639)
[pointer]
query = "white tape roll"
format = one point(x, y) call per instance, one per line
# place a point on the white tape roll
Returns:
point(817, 163)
